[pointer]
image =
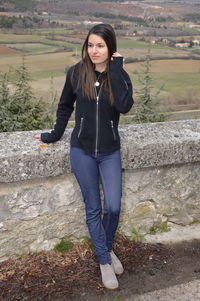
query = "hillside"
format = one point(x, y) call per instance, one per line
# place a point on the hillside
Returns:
point(18, 5)
point(176, 9)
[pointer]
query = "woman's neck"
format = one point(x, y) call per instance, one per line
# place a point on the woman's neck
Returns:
point(100, 67)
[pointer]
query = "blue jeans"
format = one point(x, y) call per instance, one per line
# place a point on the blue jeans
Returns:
point(90, 172)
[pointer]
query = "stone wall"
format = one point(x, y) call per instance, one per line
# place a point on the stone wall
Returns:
point(40, 201)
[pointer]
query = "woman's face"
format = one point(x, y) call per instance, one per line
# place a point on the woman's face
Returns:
point(97, 51)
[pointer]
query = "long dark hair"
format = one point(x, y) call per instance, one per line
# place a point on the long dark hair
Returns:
point(86, 67)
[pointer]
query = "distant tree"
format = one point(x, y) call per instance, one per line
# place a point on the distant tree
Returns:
point(146, 106)
point(137, 20)
point(23, 22)
point(164, 19)
point(191, 44)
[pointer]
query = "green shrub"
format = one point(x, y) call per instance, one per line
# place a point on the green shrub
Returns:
point(137, 236)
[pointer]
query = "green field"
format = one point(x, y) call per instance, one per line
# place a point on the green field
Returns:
point(15, 38)
point(170, 82)
point(132, 43)
point(33, 47)
point(178, 81)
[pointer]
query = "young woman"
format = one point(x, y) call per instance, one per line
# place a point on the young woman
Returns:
point(102, 90)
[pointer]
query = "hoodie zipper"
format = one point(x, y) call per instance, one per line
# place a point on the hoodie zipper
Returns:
point(112, 126)
point(97, 120)
point(126, 84)
point(81, 125)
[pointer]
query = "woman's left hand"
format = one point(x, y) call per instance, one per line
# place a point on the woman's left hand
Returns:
point(38, 137)
point(115, 54)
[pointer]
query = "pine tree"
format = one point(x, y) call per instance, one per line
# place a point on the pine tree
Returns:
point(53, 103)
point(21, 110)
point(4, 91)
point(146, 107)
point(5, 99)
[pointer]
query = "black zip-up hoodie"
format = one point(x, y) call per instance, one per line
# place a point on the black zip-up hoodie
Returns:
point(96, 122)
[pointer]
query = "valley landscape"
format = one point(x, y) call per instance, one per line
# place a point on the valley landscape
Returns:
point(49, 34)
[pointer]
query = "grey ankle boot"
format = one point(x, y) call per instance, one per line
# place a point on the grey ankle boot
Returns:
point(116, 264)
point(108, 277)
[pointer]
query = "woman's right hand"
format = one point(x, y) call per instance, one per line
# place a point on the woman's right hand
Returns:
point(38, 137)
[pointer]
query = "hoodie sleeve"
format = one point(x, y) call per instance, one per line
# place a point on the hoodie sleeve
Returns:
point(121, 86)
point(64, 111)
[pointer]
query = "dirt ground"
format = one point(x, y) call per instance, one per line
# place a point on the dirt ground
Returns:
point(74, 275)
point(6, 50)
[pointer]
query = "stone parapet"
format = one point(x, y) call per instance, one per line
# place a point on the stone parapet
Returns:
point(22, 157)
point(40, 201)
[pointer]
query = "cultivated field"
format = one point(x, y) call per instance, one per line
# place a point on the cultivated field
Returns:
point(6, 50)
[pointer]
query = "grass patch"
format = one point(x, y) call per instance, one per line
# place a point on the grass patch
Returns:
point(64, 245)
point(89, 241)
point(137, 235)
point(161, 228)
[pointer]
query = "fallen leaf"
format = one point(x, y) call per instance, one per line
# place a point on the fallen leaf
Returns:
point(43, 145)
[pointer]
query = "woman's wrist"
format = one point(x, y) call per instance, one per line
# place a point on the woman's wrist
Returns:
point(116, 63)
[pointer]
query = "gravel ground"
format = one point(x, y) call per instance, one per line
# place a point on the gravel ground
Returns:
point(183, 292)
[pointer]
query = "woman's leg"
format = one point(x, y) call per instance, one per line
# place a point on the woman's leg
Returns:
point(111, 179)
point(85, 168)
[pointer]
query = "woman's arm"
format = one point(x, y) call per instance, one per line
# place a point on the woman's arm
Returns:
point(121, 84)
point(64, 111)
